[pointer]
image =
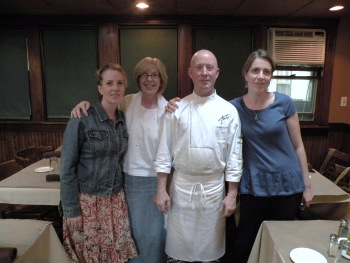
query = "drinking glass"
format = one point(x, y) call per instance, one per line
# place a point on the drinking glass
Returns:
point(54, 163)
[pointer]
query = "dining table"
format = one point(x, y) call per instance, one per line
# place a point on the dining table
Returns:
point(276, 240)
point(34, 241)
point(330, 202)
point(30, 187)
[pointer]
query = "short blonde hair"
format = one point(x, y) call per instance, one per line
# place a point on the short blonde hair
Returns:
point(144, 65)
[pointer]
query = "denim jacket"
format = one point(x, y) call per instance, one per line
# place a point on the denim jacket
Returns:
point(92, 155)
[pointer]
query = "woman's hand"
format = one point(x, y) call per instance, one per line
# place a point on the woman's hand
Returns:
point(75, 223)
point(307, 196)
point(82, 106)
point(172, 106)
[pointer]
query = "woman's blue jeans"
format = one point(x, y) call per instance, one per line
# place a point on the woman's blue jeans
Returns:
point(146, 221)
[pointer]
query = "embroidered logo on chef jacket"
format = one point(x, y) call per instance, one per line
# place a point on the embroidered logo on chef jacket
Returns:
point(224, 117)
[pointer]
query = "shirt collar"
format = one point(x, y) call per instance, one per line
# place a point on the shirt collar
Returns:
point(102, 115)
point(199, 99)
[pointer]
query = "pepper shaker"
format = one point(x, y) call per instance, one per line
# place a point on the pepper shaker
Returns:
point(343, 228)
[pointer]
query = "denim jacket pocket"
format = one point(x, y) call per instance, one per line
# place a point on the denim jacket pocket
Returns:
point(98, 139)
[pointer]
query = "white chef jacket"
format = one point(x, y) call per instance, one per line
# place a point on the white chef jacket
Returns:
point(202, 141)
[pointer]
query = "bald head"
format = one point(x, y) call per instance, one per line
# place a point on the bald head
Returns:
point(203, 53)
point(203, 71)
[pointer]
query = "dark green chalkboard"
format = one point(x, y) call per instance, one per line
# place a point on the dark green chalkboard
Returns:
point(14, 85)
point(161, 42)
point(70, 63)
point(231, 47)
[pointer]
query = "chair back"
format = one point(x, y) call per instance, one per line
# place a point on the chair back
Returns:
point(8, 168)
point(336, 167)
point(31, 154)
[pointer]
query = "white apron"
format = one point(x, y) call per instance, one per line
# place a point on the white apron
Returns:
point(196, 228)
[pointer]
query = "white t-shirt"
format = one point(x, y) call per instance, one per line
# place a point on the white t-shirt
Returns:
point(143, 129)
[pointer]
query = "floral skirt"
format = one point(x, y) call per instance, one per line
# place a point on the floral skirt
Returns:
point(105, 236)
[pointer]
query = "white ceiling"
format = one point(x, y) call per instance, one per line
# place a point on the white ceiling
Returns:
point(276, 8)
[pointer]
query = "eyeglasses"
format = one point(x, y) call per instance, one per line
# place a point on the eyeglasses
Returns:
point(153, 76)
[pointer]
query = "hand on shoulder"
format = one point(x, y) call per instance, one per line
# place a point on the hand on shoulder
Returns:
point(82, 106)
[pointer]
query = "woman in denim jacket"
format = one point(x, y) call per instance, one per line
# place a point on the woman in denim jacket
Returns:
point(95, 214)
point(143, 111)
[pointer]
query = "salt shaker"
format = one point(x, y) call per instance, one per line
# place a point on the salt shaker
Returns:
point(333, 245)
point(343, 228)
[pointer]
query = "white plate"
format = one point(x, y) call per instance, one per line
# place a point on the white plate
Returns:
point(343, 253)
point(44, 169)
point(306, 255)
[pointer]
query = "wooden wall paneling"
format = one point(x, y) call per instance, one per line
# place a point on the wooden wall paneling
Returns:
point(346, 143)
point(18, 136)
point(13, 137)
point(37, 98)
point(323, 97)
point(184, 58)
point(29, 138)
point(338, 139)
point(316, 145)
point(108, 44)
point(316, 142)
point(341, 78)
point(260, 37)
point(6, 148)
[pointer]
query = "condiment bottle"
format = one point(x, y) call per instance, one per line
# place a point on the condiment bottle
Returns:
point(333, 245)
point(343, 228)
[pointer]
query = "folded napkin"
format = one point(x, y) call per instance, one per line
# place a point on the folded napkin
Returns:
point(52, 178)
point(8, 254)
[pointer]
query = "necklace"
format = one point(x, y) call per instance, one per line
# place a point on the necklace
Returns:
point(256, 113)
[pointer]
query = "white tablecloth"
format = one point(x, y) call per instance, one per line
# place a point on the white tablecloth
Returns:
point(28, 187)
point(326, 191)
point(276, 239)
point(36, 241)
point(330, 201)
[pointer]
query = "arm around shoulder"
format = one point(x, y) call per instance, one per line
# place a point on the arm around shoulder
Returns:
point(81, 106)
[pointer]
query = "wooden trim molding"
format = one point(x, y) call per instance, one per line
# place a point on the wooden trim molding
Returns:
point(41, 126)
point(108, 44)
point(37, 99)
point(184, 59)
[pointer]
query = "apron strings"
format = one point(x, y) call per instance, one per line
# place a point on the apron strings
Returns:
point(203, 196)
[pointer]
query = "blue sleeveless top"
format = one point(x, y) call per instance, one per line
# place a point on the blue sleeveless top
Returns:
point(270, 164)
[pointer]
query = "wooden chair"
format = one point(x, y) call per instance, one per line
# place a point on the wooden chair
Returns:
point(9, 168)
point(336, 167)
point(31, 154)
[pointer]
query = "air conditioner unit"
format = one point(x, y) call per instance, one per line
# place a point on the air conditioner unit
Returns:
point(291, 46)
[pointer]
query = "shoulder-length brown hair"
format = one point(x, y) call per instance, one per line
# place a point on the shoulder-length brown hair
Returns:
point(260, 53)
